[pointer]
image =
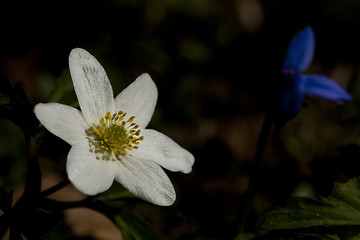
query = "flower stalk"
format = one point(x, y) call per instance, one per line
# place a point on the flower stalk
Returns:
point(254, 173)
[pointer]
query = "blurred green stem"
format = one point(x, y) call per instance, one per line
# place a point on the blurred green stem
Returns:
point(54, 205)
point(254, 174)
point(55, 188)
point(33, 175)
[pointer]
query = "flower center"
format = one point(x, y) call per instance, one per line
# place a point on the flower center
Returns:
point(114, 136)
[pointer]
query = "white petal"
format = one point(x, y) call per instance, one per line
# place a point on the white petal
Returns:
point(92, 86)
point(88, 174)
point(164, 151)
point(138, 99)
point(147, 180)
point(63, 121)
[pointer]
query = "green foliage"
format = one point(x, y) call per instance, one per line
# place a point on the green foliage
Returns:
point(58, 232)
point(15, 106)
point(338, 213)
point(118, 197)
point(133, 228)
point(63, 87)
point(357, 237)
point(7, 96)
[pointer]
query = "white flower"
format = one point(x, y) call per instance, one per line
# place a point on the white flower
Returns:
point(108, 136)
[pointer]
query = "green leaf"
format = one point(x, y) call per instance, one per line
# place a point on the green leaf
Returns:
point(337, 213)
point(6, 88)
point(300, 236)
point(14, 106)
point(133, 228)
point(5, 100)
point(119, 198)
point(117, 193)
point(59, 232)
point(62, 88)
point(319, 237)
point(357, 237)
point(7, 96)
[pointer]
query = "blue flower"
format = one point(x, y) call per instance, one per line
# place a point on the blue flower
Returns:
point(298, 58)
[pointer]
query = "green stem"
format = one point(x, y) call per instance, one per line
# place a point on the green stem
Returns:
point(54, 205)
point(55, 188)
point(254, 173)
point(33, 175)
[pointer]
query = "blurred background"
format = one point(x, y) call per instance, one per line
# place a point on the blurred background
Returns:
point(216, 64)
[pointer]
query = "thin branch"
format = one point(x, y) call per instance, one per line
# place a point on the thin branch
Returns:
point(55, 188)
point(253, 175)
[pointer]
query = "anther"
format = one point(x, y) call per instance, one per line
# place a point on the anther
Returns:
point(114, 136)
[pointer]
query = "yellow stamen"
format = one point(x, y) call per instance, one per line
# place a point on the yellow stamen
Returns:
point(114, 136)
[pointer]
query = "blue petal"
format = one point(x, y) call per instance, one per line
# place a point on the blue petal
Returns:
point(292, 99)
point(301, 50)
point(321, 87)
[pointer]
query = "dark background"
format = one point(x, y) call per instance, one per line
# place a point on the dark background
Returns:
point(216, 64)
